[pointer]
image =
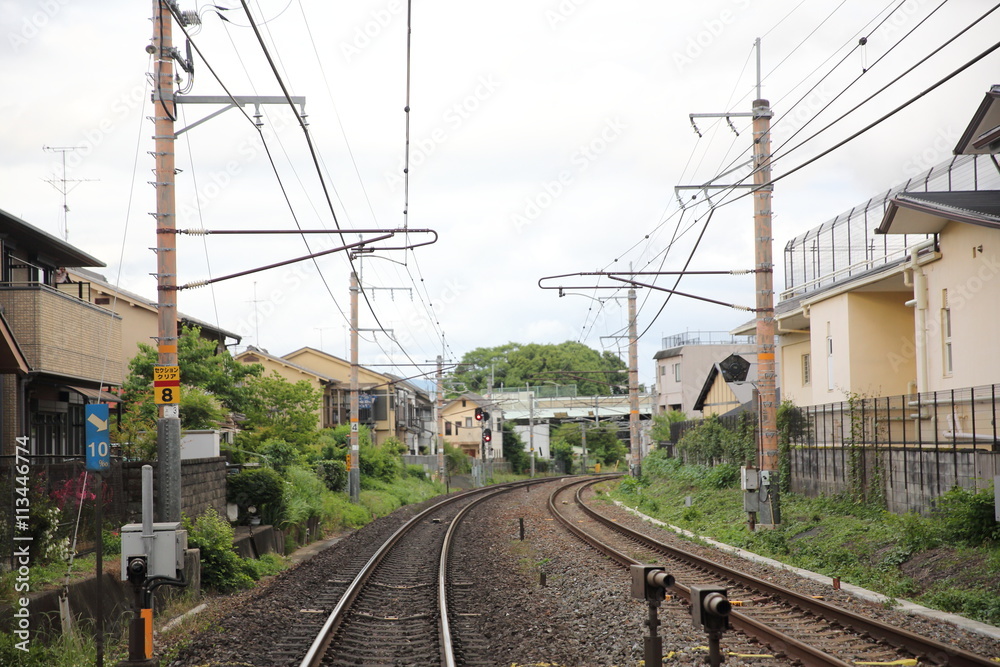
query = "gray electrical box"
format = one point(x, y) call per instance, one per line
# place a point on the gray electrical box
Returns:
point(749, 480)
point(166, 551)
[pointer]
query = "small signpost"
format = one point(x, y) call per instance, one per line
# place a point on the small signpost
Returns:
point(166, 385)
point(98, 461)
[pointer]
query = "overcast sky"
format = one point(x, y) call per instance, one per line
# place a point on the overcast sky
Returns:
point(546, 138)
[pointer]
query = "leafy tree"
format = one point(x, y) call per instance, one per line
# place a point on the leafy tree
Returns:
point(562, 452)
point(202, 365)
point(200, 409)
point(280, 409)
point(513, 364)
point(660, 432)
point(603, 444)
point(513, 449)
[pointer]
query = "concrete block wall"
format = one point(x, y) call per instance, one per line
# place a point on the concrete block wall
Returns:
point(203, 485)
point(912, 478)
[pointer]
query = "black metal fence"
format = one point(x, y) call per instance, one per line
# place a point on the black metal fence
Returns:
point(59, 496)
point(910, 448)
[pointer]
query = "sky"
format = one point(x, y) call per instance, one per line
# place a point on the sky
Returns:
point(546, 138)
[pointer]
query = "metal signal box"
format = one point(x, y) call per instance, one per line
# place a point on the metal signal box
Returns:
point(165, 550)
point(749, 479)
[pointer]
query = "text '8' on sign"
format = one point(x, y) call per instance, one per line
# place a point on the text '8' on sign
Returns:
point(166, 384)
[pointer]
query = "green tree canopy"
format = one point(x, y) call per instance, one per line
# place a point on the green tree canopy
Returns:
point(281, 410)
point(202, 365)
point(603, 444)
point(512, 365)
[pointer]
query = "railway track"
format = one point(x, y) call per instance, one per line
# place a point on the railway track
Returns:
point(795, 627)
point(400, 608)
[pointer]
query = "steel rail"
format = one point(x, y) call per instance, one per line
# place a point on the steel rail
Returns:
point(323, 639)
point(920, 646)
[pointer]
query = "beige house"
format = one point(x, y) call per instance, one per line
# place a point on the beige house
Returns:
point(295, 373)
point(912, 310)
point(58, 351)
point(139, 318)
point(377, 406)
point(461, 429)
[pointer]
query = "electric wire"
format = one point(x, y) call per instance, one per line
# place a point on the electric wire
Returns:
point(319, 171)
point(880, 120)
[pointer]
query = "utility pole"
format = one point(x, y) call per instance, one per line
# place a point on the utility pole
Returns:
point(439, 407)
point(633, 388)
point(763, 500)
point(168, 426)
point(353, 467)
point(531, 429)
point(769, 512)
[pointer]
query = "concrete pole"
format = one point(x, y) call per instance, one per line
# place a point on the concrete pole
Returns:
point(354, 469)
point(633, 387)
point(439, 407)
point(531, 430)
point(583, 443)
point(769, 512)
point(168, 427)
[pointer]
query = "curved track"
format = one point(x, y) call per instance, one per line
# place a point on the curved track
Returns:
point(796, 626)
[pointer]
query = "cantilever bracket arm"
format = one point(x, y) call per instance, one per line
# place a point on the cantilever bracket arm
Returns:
point(385, 234)
point(616, 275)
point(690, 296)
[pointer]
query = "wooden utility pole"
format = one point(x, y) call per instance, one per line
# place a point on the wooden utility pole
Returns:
point(769, 512)
point(353, 468)
point(168, 427)
point(633, 387)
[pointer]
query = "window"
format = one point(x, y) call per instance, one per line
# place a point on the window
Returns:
point(663, 370)
point(447, 428)
point(458, 425)
point(806, 370)
point(677, 372)
point(946, 361)
point(468, 422)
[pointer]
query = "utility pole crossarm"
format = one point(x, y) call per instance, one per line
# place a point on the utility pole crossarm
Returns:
point(232, 102)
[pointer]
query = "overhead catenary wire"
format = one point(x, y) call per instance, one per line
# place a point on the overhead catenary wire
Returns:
point(315, 160)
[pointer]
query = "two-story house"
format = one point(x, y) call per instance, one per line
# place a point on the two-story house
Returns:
point(60, 350)
point(684, 361)
point(327, 414)
point(415, 425)
point(463, 431)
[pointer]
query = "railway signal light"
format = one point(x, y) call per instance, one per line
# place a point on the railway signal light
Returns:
point(487, 435)
point(479, 414)
point(710, 607)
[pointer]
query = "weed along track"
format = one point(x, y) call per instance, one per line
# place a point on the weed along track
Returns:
point(793, 626)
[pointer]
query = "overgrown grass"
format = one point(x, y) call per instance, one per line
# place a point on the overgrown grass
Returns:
point(949, 561)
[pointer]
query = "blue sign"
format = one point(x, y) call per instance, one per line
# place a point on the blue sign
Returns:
point(98, 445)
point(365, 401)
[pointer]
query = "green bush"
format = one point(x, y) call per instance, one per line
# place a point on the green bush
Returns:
point(722, 476)
point(279, 454)
point(222, 569)
point(333, 472)
point(967, 517)
point(344, 513)
point(711, 442)
point(262, 488)
point(382, 462)
point(111, 542)
point(303, 497)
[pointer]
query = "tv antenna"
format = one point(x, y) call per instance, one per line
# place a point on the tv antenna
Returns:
point(62, 185)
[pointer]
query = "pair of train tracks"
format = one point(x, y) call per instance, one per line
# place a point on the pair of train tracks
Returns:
point(797, 627)
point(398, 609)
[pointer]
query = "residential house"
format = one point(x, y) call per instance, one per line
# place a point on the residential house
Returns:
point(58, 351)
point(415, 425)
point(684, 361)
point(139, 315)
point(728, 387)
point(896, 296)
point(377, 400)
point(463, 431)
point(327, 414)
